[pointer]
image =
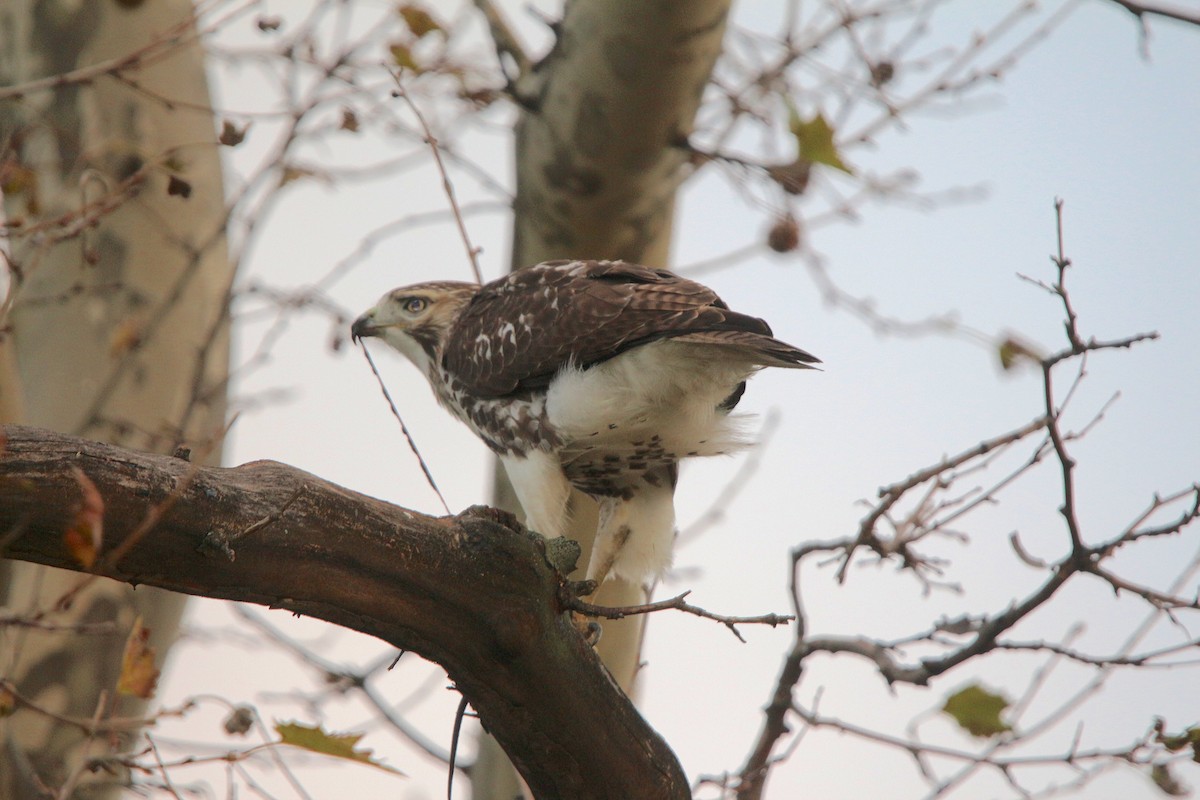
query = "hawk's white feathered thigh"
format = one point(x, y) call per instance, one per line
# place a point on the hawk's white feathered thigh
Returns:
point(541, 488)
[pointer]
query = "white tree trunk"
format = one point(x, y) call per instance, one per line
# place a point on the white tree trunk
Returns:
point(597, 173)
point(108, 328)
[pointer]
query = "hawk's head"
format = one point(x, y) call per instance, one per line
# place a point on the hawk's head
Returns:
point(415, 319)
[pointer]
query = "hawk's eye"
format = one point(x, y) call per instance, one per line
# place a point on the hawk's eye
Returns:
point(415, 305)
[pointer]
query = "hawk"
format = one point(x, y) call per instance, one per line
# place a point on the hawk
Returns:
point(598, 375)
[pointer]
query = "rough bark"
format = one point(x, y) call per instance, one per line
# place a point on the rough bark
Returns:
point(476, 593)
point(107, 331)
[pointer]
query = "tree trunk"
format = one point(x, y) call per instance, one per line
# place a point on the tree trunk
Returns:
point(118, 329)
point(597, 172)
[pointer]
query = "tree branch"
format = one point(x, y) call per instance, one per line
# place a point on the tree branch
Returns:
point(1141, 10)
point(475, 593)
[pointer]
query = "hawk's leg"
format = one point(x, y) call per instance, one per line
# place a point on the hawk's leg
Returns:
point(635, 535)
point(542, 489)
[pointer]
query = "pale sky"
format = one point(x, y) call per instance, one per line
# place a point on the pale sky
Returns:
point(1086, 118)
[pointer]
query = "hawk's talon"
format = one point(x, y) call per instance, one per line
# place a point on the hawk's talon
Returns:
point(582, 588)
point(589, 629)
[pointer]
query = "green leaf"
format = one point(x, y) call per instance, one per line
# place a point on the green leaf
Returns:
point(338, 745)
point(977, 711)
point(1012, 351)
point(814, 140)
point(1176, 742)
point(1166, 781)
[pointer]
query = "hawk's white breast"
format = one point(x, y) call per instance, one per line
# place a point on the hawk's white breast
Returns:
point(666, 388)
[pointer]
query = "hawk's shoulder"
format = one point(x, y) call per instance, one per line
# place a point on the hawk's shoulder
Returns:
point(519, 331)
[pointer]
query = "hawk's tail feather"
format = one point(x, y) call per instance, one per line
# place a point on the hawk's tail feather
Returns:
point(762, 350)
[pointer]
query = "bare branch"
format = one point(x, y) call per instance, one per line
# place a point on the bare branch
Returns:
point(1141, 10)
point(678, 603)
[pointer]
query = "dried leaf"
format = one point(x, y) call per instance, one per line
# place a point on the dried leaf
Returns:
point(815, 140)
point(8, 702)
point(125, 337)
point(138, 674)
point(18, 179)
point(232, 135)
point(86, 533)
point(977, 711)
point(784, 235)
point(402, 55)
point(178, 187)
point(295, 172)
point(239, 721)
point(418, 20)
point(792, 177)
point(338, 745)
point(349, 120)
point(15, 177)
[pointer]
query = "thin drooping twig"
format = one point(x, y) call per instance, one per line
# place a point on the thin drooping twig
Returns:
point(447, 186)
point(411, 443)
point(454, 738)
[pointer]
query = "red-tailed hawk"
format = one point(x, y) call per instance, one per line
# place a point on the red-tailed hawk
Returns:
point(600, 375)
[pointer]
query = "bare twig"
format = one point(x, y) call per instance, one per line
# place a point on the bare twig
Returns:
point(679, 604)
point(411, 443)
point(447, 186)
point(1141, 10)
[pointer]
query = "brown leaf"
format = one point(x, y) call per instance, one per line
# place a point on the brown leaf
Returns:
point(349, 120)
point(8, 702)
point(239, 721)
point(125, 337)
point(86, 533)
point(232, 135)
point(792, 177)
point(784, 235)
point(138, 674)
point(402, 55)
point(292, 172)
point(178, 187)
point(418, 20)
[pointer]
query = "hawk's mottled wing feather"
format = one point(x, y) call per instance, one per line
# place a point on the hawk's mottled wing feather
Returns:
point(518, 332)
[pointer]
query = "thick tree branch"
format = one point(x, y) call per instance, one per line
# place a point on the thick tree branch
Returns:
point(476, 593)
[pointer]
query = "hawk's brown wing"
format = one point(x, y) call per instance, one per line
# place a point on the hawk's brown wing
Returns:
point(518, 332)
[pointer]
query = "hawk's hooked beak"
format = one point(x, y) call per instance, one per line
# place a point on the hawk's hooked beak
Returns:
point(364, 327)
